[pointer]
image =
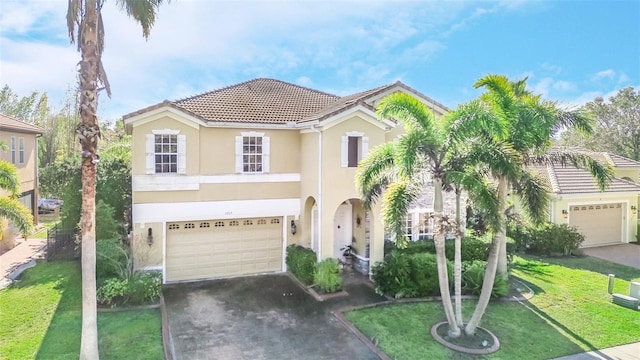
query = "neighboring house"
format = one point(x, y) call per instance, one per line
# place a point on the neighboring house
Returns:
point(604, 218)
point(223, 181)
point(22, 151)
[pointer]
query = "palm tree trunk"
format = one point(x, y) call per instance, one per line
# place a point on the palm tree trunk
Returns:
point(457, 264)
point(441, 260)
point(492, 262)
point(503, 262)
point(88, 133)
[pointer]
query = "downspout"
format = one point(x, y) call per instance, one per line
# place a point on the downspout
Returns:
point(313, 128)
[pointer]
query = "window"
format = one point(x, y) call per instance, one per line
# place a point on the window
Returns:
point(355, 147)
point(252, 153)
point(425, 225)
point(166, 152)
point(408, 224)
point(13, 150)
point(21, 150)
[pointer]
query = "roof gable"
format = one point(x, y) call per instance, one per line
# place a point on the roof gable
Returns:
point(9, 123)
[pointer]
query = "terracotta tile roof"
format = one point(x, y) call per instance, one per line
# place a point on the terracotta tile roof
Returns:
point(271, 101)
point(571, 180)
point(9, 123)
point(258, 101)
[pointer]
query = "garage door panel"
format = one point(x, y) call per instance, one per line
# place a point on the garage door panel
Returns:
point(222, 248)
point(601, 224)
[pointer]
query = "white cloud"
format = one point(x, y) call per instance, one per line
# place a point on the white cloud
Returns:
point(604, 74)
point(551, 68)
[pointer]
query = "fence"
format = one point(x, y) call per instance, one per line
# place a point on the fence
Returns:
point(61, 244)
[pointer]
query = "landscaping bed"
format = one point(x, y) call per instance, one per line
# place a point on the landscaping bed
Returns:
point(41, 318)
point(570, 312)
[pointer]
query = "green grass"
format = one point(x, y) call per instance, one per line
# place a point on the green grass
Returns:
point(48, 221)
point(571, 312)
point(41, 319)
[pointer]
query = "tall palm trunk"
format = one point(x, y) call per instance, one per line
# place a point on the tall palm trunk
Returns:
point(503, 262)
point(492, 262)
point(441, 260)
point(457, 264)
point(88, 133)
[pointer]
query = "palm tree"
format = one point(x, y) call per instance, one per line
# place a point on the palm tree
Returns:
point(429, 151)
point(530, 125)
point(10, 208)
point(85, 16)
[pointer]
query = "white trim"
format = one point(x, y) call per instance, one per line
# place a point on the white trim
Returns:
point(343, 116)
point(153, 268)
point(165, 132)
point(164, 252)
point(285, 239)
point(172, 182)
point(208, 210)
point(354, 133)
point(182, 154)
point(150, 161)
point(599, 195)
point(164, 111)
point(344, 151)
point(252, 133)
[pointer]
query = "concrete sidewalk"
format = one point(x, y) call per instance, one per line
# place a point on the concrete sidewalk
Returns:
point(622, 352)
point(21, 257)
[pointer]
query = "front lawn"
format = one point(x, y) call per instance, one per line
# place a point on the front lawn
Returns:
point(41, 318)
point(571, 312)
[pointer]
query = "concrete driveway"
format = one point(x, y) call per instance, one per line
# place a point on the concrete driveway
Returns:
point(261, 317)
point(625, 254)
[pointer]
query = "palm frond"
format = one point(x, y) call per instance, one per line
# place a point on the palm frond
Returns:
point(395, 205)
point(375, 172)
point(142, 11)
point(412, 151)
point(73, 12)
point(14, 211)
point(601, 172)
point(9, 181)
point(411, 112)
point(534, 196)
point(472, 118)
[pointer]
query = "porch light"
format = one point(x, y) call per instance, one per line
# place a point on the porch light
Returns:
point(565, 213)
point(294, 228)
point(150, 237)
point(634, 209)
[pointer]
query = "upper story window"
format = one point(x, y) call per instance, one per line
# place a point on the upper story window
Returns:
point(252, 153)
point(166, 152)
point(21, 150)
point(13, 149)
point(355, 147)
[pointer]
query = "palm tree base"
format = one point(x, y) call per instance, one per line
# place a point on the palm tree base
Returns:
point(481, 343)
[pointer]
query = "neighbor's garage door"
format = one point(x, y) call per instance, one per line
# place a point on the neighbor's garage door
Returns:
point(223, 248)
point(600, 224)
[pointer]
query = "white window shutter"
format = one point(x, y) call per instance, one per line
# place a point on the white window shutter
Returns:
point(182, 154)
point(365, 147)
point(151, 154)
point(344, 152)
point(238, 154)
point(266, 151)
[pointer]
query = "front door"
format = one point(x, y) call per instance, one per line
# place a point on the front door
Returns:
point(342, 231)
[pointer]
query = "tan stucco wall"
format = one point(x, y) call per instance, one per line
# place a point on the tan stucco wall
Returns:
point(308, 183)
point(27, 170)
point(629, 234)
point(633, 174)
point(146, 256)
point(222, 192)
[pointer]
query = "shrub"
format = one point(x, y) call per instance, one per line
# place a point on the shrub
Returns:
point(138, 289)
point(327, 277)
point(424, 274)
point(111, 259)
point(301, 262)
point(407, 275)
point(473, 278)
point(547, 239)
point(472, 247)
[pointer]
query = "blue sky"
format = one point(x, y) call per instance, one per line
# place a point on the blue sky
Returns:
point(572, 51)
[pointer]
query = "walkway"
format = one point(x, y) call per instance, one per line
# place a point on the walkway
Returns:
point(622, 352)
point(21, 257)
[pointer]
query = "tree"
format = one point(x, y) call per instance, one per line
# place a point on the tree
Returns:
point(530, 124)
point(85, 16)
point(10, 208)
point(431, 151)
point(617, 125)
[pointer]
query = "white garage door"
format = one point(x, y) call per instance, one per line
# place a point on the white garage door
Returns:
point(223, 248)
point(601, 224)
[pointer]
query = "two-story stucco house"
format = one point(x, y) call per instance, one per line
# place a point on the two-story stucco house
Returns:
point(224, 181)
point(21, 141)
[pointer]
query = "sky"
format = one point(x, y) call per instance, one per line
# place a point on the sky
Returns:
point(571, 51)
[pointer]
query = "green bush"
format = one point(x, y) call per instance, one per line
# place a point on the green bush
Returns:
point(141, 288)
point(327, 278)
point(473, 278)
point(301, 262)
point(547, 239)
point(472, 247)
point(407, 275)
point(112, 259)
